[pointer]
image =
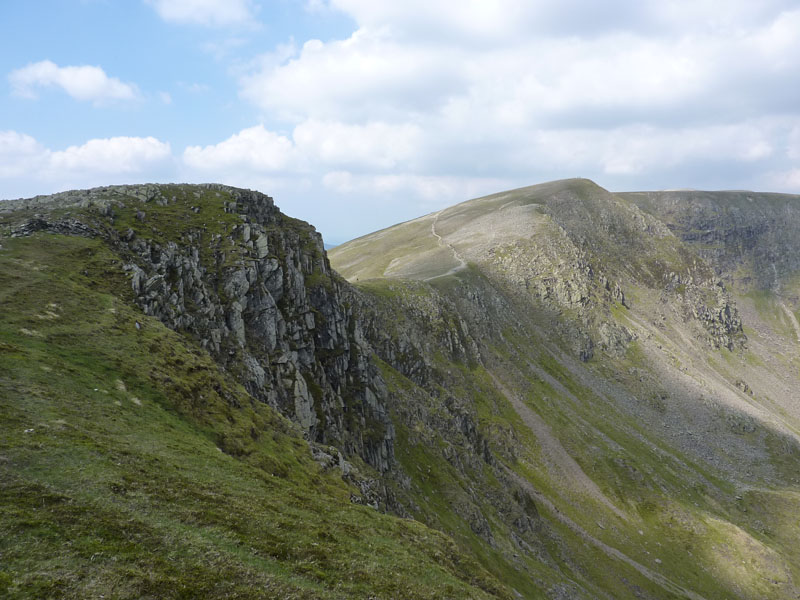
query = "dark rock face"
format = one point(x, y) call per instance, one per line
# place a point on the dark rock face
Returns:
point(407, 334)
point(408, 326)
point(709, 303)
point(64, 227)
point(275, 316)
point(750, 238)
point(261, 297)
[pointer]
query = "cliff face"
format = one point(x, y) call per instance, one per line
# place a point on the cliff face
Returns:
point(255, 288)
point(133, 464)
point(750, 238)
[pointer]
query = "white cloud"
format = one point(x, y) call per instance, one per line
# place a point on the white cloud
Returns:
point(20, 154)
point(27, 167)
point(779, 43)
point(787, 181)
point(368, 76)
point(205, 12)
point(638, 149)
point(252, 149)
point(313, 144)
point(372, 145)
point(514, 90)
point(85, 83)
point(473, 18)
point(434, 190)
point(504, 20)
point(793, 144)
point(613, 78)
point(117, 155)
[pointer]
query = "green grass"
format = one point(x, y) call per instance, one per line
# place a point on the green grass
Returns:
point(671, 498)
point(668, 496)
point(770, 309)
point(411, 243)
point(132, 467)
point(439, 493)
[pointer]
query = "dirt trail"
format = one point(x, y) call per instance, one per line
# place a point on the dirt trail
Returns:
point(462, 263)
point(792, 320)
point(656, 578)
point(561, 464)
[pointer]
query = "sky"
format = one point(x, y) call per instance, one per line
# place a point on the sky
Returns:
point(358, 114)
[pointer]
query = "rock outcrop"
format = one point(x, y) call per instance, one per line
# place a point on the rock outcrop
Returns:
point(256, 290)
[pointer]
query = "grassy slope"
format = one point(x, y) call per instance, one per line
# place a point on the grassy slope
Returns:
point(684, 518)
point(131, 467)
point(676, 516)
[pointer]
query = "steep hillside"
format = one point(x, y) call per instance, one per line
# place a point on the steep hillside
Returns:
point(615, 372)
point(749, 238)
point(139, 461)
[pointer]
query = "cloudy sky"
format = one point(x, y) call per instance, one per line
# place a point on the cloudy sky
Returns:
point(356, 114)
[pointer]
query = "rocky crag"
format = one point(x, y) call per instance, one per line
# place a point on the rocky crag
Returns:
point(748, 237)
point(254, 287)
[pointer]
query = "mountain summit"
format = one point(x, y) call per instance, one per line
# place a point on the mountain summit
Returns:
point(550, 392)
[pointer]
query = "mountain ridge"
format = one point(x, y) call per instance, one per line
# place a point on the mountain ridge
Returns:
point(583, 397)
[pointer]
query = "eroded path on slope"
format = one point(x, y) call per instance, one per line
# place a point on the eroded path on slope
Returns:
point(462, 264)
point(610, 551)
point(560, 463)
point(792, 320)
